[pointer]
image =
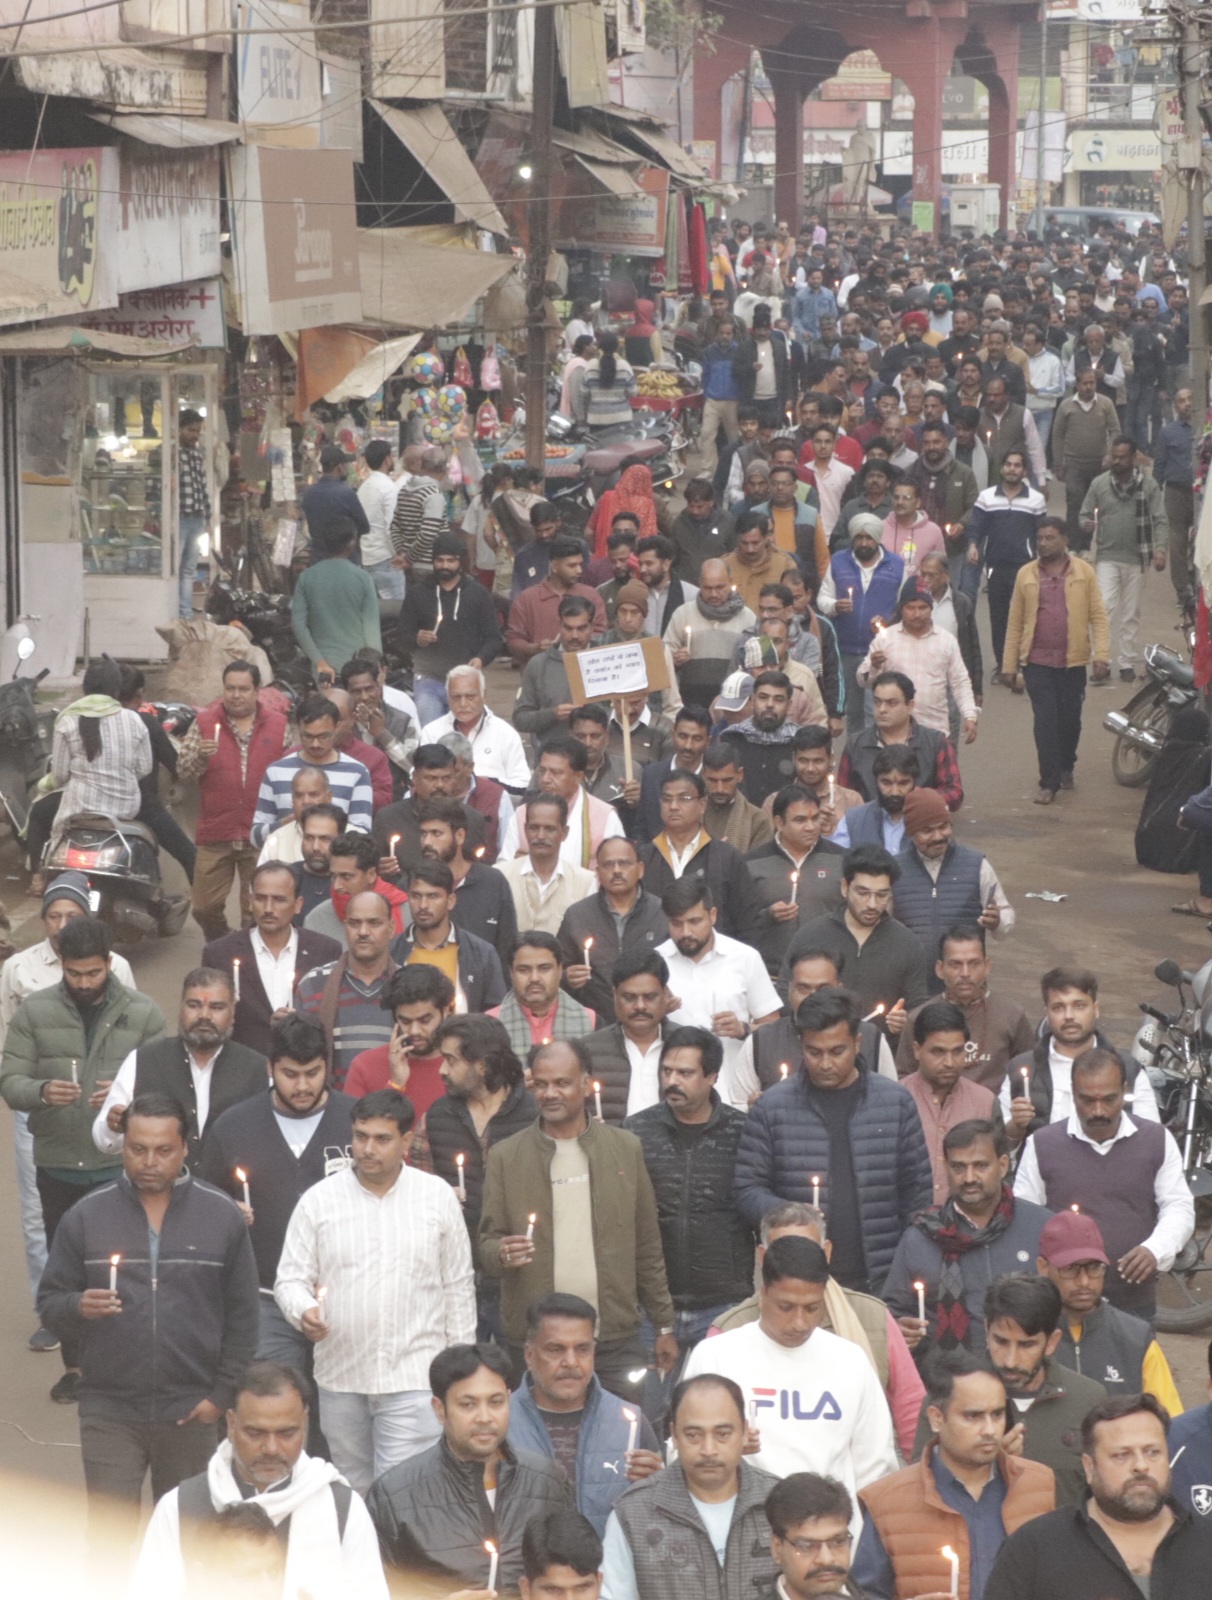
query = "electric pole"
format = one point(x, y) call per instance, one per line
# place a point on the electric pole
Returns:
point(1191, 163)
point(1039, 120)
point(539, 242)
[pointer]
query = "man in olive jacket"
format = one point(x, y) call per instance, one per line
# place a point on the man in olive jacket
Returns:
point(62, 1051)
point(569, 1208)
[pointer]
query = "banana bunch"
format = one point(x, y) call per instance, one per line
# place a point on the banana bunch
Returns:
point(660, 385)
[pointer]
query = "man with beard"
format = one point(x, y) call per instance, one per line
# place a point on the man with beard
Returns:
point(63, 1048)
point(397, 828)
point(202, 1068)
point(262, 1462)
point(729, 815)
point(353, 869)
point(966, 1493)
point(1022, 1323)
point(282, 1140)
point(943, 882)
point(998, 1029)
point(319, 826)
point(955, 1249)
point(536, 1009)
point(690, 1141)
point(882, 821)
point(308, 787)
point(763, 740)
point(946, 488)
point(448, 622)
point(419, 999)
point(1124, 513)
point(163, 1351)
point(483, 900)
point(1129, 1538)
point(432, 1512)
point(271, 956)
point(1124, 1172)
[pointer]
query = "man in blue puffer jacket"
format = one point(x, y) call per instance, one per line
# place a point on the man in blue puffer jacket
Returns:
point(839, 1136)
point(561, 1410)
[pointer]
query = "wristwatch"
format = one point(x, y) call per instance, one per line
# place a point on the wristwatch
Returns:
point(661, 1332)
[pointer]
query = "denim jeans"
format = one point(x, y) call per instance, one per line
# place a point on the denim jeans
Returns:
point(430, 696)
point(367, 1433)
point(33, 1233)
point(389, 580)
point(192, 528)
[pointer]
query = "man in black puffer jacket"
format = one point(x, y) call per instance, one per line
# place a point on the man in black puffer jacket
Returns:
point(839, 1137)
point(433, 1513)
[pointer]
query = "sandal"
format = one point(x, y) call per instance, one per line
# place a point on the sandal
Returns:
point(1190, 909)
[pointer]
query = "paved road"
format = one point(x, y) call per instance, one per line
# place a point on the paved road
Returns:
point(1115, 919)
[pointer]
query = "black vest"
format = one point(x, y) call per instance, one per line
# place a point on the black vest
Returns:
point(1111, 1349)
point(236, 1073)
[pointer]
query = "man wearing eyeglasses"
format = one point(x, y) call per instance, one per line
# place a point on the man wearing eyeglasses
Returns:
point(809, 1518)
point(962, 1497)
point(1111, 1346)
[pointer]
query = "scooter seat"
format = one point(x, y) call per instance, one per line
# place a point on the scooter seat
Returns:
point(611, 457)
point(129, 830)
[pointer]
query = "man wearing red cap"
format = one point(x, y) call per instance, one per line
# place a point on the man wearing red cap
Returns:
point(927, 655)
point(1097, 1339)
point(943, 882)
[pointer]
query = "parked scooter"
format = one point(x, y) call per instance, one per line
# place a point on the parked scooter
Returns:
point(122, 863)
point(1143, 724)
point(25, 739)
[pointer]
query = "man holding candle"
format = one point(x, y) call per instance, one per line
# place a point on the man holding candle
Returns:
point(595, 1230)
point(799, 874)
point(161, 1356)
point(929, 656)
point(202, 1068)
point(626, 1056)
point(859, 593)
point(456, 1514)
point(389, 1247)
point(621, 918)
point(934, 1529)
point(892, 695)
point(684, 849)
point(536, 1009)
point(25, 973)
point(470, 962)
point(942, 881)
point(62, 1052)
point(943, 1096)
point(561, 1411)
point(353, 869)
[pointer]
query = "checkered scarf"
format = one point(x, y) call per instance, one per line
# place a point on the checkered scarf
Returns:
point(1135, 486)
point(942, 1225)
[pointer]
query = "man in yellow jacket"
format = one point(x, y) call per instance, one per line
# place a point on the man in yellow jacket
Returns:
point(1057, 628)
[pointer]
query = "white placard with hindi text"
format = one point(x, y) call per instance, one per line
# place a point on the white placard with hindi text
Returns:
point(613, 670)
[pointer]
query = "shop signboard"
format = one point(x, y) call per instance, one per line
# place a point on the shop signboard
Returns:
point(295, 235)
point(279, 72)
point(1113, 150)
point(176, 311)
point(58, 231)
point(168, 216)
point(625, 225)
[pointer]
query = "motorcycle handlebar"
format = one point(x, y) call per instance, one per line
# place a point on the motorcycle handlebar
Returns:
point(1158, 1016)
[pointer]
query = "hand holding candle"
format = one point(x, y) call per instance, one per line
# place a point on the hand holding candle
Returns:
point(633, 1428)
point(530, 1228)
point(494, 1557)
point(920, 1288)
point(242, 1178)
point(113, 1273)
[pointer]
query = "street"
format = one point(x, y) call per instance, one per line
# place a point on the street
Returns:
point(1115, 918)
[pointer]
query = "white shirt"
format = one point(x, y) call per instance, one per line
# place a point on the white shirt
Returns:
point(644, 1085)
point(1175, 1205)
point(284, 844)
point(398, 1272)
point(40, 968)
point(277, 972)
point(1142, 1099)
point(658, 606)
point(571, 849)
point(729, 976)
point(819, 1408)
point(831, 482)
point(496, 748)
point(122, 1092)
point(378, 492)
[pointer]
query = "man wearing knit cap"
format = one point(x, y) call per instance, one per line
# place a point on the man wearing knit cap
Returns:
point(943, 882)
point(929, 656)
point(1108, 1345)
point(39, 967)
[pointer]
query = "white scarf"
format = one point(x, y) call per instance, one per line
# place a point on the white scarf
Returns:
point(313, 1551)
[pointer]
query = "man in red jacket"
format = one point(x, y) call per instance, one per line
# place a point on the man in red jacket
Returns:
point(227, 750)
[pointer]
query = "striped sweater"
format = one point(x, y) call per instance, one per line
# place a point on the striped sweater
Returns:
point(348, 780)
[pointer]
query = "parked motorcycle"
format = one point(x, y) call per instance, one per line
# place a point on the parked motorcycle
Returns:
point(267, 618)
point(1144, 722)
point(122, 863)
point(1176, 1051)
point(25, 739)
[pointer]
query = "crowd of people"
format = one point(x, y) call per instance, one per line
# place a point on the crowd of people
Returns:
point(610, 1168)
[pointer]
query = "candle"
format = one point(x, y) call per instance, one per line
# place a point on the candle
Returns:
point(816, 1191)
point(832, 791)
point(75, 1074)
point(850, 593)
point(633, 1427)
point(242, 1177)
point(235, 981)
point(478, 853)
point(493, 1558)
point(795, 888)
point(392, 843)
point(1026, 1083)
point(954, 1561)
point(530, 1226)
point(878, 1012)
point(784, 1069)
point(597, 1098)
point(321, 1296)
point(1075, 1206)
point(586, 948)
point(688, 638)
point(459, 1161)
point(921, 1300)
point(113, 1274)
point(751, 1411)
